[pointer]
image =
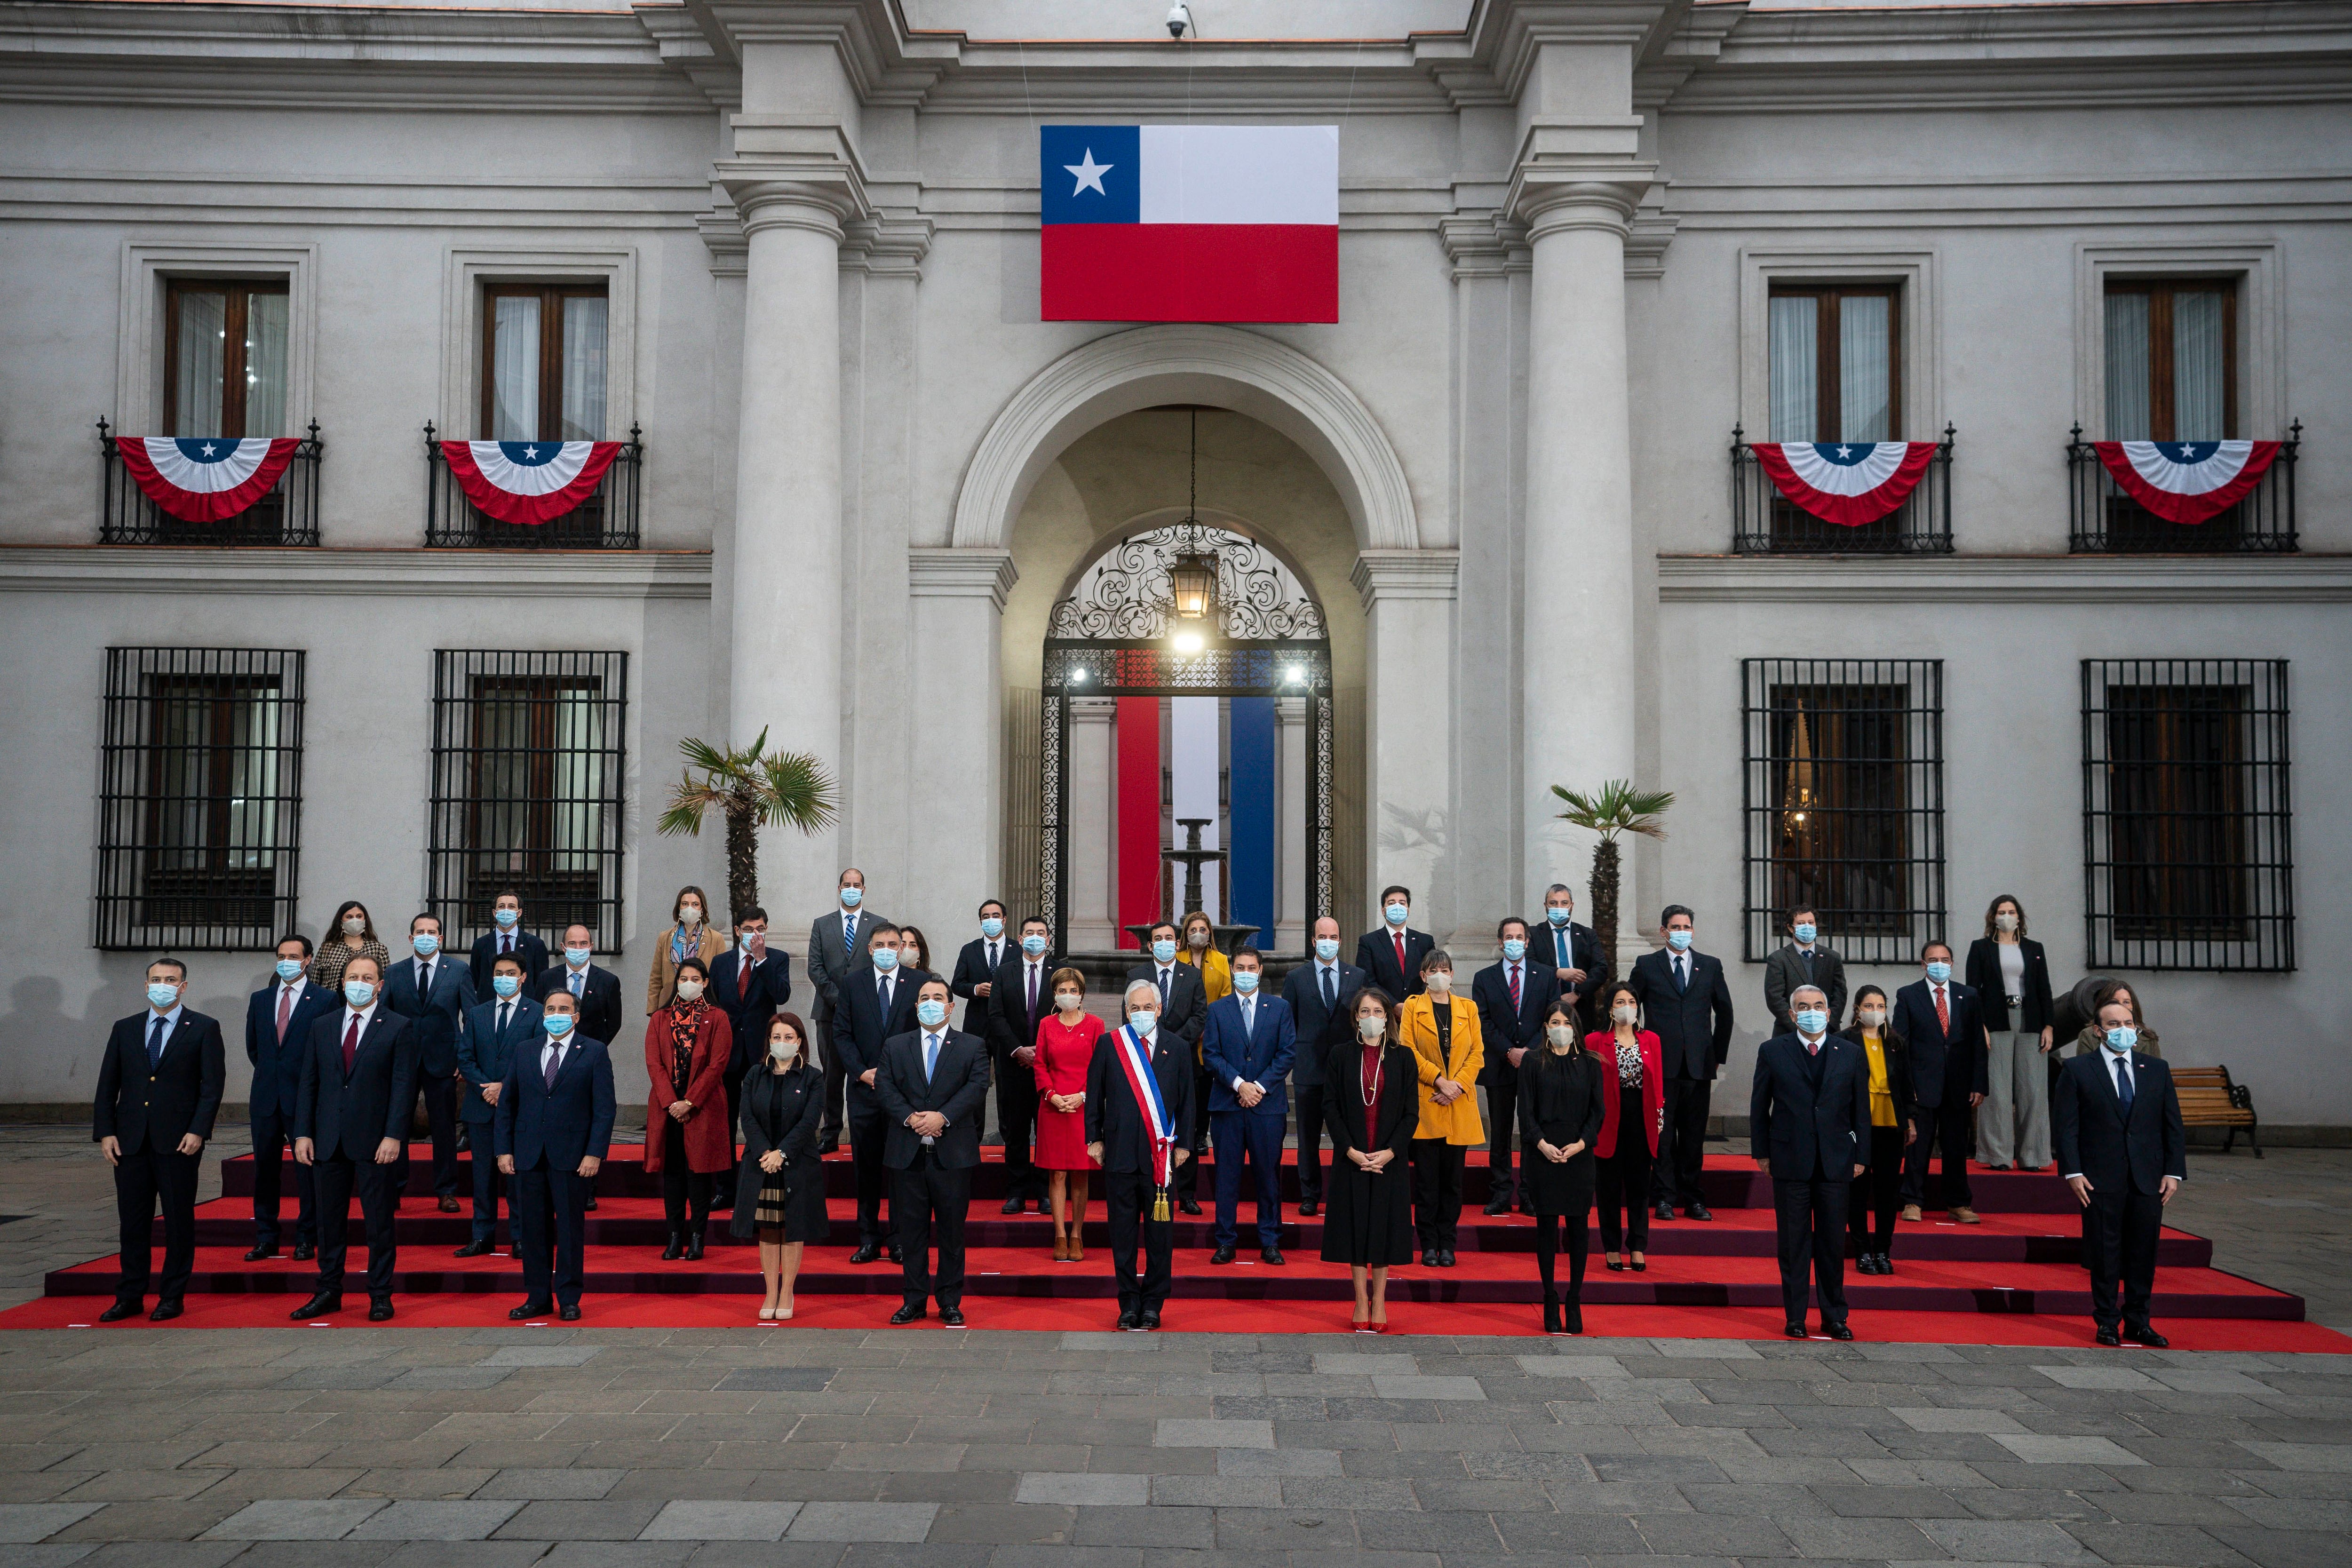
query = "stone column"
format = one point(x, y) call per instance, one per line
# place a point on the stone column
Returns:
point(956, 772)
point(1410, 726)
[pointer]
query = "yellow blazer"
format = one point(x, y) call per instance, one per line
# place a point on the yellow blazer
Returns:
point(1458, 1123)
point(1216, 973)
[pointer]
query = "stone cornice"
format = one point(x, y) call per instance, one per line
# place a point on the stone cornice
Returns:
point(398, 574)
point(797, 172)
point(886, 246)
point(2008, 579)
point(1406, 574)
point(936, 572)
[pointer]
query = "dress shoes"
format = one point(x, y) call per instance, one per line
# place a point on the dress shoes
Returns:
point(266, 1249)
point(1911, 1213)
point(1662, 1211)
point(1012, 1204)
point(1500, 1202)
point(2109, 1337)
point(165, 1311)
point(1270, 1255)
point(951, 1317)
point(570, 1314)
point(1447, 1261)
point(2138, 1333)
point(1148, 1320)
point(1223, 1255)
point(1839, 1331)
point(1551, 1317)
point(896, 1256)
point(539, 1308)
point(317, 1306)
point(1188, 1206)
point(1307, 1207)
point(694, 1246)
point(380, 1310)
point(1128, 1322)
point(1966, 1215)
point(677, 1248)
point(831, 1145)
point(474, 1248)
point(304, 1251)
point(908, 1314)
point(1698, 1210)
point(866, 1252)
point(591, 1204)
point(1572, 1318)
point(130, 1307)
point(1795, 1330)
point(448, 1203)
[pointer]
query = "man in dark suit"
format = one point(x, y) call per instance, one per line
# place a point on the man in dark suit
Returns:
point(595, 991)
point(278, 1021)
point(1688, 1003)
point(1574, 953)
point(159, 1088)
point(1021, 995)
point(1184, 1013)
point(1119, 1139)
point(1512, 998)
point(506, 936)
point(747, 982)
point(933, 1090)
point(1803, 960)
point(554, 1128)
point(1392, 954)
point(2117, 1121)
point(877, 1004)
point(836, 955)
point(495, 1030)
point(434, 993)
point(1808, 1128)
point(1248, 1045)
point(975, 967)
point(1944, 1025)
point(351, 1123)
point(1317, 992)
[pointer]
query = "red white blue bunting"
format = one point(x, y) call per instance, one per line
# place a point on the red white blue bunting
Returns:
point(2187, 481)
point(1847, 482)
point(204, 479)
point(528, 482)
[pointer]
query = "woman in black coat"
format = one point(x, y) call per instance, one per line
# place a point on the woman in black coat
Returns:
point(780, 1187)
point(1372, 1103)
point(1561, 1110)
point(1878, 1193)
point(2011, 977)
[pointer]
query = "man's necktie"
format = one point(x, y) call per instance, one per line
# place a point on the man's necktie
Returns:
point(351, 1044)
point(2123, 1086)
point(1682, 978)
point(849, 933)
point(1515, 988)
point(506, 942)
point(1033, 991)
point(579, 983)
point(930, 1056)
point(886, 1001)
point(1164, 988)
point(1331, 989)
point(1805, 957)
point(156, 1045)
point(1943, 1012)
point(1399, 940)
point(424, 981)
point(554, 1065)
point(993, 958)
point(506, 1009)
point(285, 1010)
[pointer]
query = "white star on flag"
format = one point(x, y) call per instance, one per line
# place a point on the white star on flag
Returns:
point(530, 451)
point(208, 448)
point(1845, 451)
point(1089, 174)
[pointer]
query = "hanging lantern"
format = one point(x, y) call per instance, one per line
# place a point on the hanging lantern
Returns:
point(1193, 580)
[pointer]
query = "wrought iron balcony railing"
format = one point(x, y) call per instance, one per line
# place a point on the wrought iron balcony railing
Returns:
point(1766, 522)
point(606, 520)
point(2102, 519)
point(287, 514)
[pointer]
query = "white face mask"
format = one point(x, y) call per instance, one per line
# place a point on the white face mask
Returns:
point(2004, 923)
point(1068, 1000)
point(1199, 939)
point(1371, 1026)
point(690, 915)
point(1439, 980)
point(1871, 1018)
point(784, 1050)
point(1624, 1013)
point(1562, 1035)
point(689, 990)
point(355, 928)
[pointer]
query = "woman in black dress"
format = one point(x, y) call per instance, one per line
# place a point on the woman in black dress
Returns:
point(1560, 1107)
point(782, 1100)
point(1373, 1104)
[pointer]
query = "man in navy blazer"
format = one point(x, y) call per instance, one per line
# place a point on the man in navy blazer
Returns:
point(1574, 953)
point(1317, 992)
point(1943, 1025)
point(433, 992)
point(877, 1005)
point(595, 988)
point(1688, 1003)
point(1376, 951)
point(159, 1088)
point(932, 1086)
point(351, 1123)
point(975, 967)
point(747, 982)
point(1247, 1046)
point(1808, 1128)
point(506, 935)
point(278, 1021)
point(1021, 997)
point(495, 1030)
point(554, 1128)
point(1512, 998)
point(2121, 1147)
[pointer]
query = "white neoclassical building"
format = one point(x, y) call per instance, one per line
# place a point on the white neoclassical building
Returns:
point(1498, 528)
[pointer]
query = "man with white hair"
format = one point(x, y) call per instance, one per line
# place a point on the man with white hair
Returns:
point(1138, 1115)
point(1809, 1126)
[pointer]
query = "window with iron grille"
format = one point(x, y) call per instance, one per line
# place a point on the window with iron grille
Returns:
point(2186, 857)
point(199, 798)
point(1843, 797)
point(527, 791)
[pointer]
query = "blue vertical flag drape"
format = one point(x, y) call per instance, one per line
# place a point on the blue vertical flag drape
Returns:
point(1255, 774)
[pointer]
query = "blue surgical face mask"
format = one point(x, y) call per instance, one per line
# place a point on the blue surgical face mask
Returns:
point(1940, 971)
point(1557, 917)
point(992, 928)
point(288, 968)
point(1679, 940)
point(2122, 1038)
point(932, 1011)
point(1033, 945)
point(1327, 948)
point(1812, 1021)
point(162, 993)
point(505, 984)
point(743, 940)
point(358, 993)
point(852, 897)
point(886, 959)
point(1143, 1021)
point(557, 1024)
point(577, 957)
point(1514, 949)
point(1396, 914)
point(505, 917)
point(425, 943)
point(1245, 981)
point(1804, 933)
point(1164, 950)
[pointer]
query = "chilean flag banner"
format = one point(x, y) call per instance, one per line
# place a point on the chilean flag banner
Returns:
point(204, 479)
point(1847, 482)
point(1189, 222)
point(2186, 481)
point(528, 482)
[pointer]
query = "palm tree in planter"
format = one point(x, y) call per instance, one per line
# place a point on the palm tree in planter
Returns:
point(752, 788)
point(1617, 808)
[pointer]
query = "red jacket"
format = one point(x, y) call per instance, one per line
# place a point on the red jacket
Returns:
point(709, 1141)
point(1604, 1046)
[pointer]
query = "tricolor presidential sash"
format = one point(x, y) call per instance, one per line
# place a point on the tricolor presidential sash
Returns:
point(1135, 1060)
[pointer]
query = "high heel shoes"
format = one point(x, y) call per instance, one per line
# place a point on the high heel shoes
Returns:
point(1639, 1265)
point(1551, 1315)
point(1573, 1315)
point(1616, 1265)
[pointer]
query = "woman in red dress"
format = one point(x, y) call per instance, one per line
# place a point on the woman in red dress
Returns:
point(1065, 1047)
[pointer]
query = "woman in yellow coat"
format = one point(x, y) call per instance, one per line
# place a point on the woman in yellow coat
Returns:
point(1199, 948)
point(1443, 1031)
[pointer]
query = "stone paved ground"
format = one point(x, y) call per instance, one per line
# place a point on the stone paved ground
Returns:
point(582, 1448)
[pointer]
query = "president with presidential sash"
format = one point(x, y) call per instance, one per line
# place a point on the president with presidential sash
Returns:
point(1138, 1092)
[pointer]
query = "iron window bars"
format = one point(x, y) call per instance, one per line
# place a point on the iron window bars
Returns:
point(528, 780)
point(1766, 522)
point(199, 799)
point(287, 514)
point(2188, 860)
point(2102, 519)
point(1842, 798)
point(606, 520)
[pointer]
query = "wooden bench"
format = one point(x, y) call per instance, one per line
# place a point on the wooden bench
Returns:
point(2208, 1099)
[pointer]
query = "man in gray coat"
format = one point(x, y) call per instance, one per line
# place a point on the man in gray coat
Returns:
point(836, 950)
point(1805, 960)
